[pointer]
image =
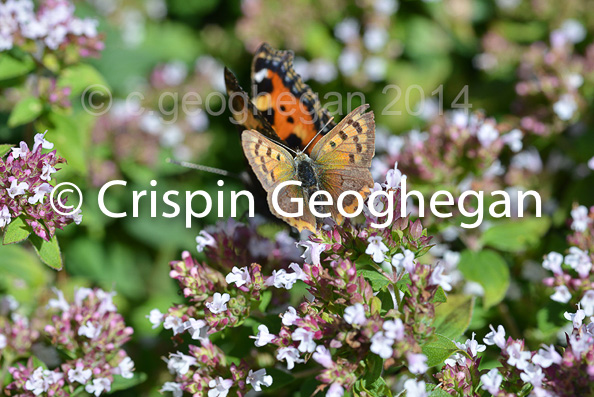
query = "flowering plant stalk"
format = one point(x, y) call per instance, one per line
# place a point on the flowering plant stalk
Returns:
point(26, 207)
point(367, 315)
point(65, 346)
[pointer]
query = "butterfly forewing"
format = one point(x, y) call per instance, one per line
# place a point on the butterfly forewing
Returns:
point(350, 144)
point(285, 100)
point(273, 165)
point(243, 110)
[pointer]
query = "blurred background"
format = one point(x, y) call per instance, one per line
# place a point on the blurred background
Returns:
point(528, 64)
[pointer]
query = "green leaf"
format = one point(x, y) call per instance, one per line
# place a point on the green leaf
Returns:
point(438, 349)
point(38, 363)
point(265, 299)
point(120, 383)
point(437, 391)
point(364, 260)
point(25, 111)
point(403, 284)
point(375, 365)
point(379, 388)
point(11, 67)
point(78, 391)
point(4, 149)
point(16, 231)
point(48, 251)
point(488, 269)
point(20, 264)
point(440, 296)
point(80, 77)
point(69, 135)
point(546, 329)
point(375, 278)
point(453, 317)
point(516, 236)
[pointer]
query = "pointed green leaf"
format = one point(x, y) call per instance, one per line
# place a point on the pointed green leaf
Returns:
point(38, 363)
point(440, 296)
point(120, 383)
point(265, 299)
point(375, 365)
point(438, 349)
point(20, 263)
point(80, 77)
point(517, 235)
point(4, 149)
point(375, 278)
point(11, 67)
point(78, 391)
point(437, 391)
point(25, 111)
point(403, 284)
point(16, 231)
point(453, 317)
point(48, 251)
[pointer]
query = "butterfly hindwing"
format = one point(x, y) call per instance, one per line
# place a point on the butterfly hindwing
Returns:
point(286, 201)
point(289, 105)
point(343, 158)
point(273, 165)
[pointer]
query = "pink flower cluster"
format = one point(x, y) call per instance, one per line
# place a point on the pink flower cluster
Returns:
point(88, 331)
point(342, 329)
point(25, 178)
point(16, 331)
point(52, 26)
point(545, 372)
point(542, 373)
point(435, 155)
point(550, 76)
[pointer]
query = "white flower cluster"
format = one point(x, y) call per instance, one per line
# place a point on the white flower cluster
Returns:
point(579, 261)
point(49, 26)
point(531, 365)
point(179, 364)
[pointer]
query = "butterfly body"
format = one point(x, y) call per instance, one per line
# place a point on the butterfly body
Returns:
point(338, 162)
point(306, 173)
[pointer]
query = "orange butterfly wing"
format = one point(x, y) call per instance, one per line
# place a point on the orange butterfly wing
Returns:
point(289, 105)
point(243, 110)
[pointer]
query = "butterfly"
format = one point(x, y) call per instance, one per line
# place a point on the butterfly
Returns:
point(338, 162)
point(284, 108)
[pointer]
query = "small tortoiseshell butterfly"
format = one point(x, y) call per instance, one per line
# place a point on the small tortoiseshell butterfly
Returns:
point(339, 162)
point(284, 108)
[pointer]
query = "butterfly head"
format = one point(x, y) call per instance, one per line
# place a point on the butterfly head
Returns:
point(301, 156)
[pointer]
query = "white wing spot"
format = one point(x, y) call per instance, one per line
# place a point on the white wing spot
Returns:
point(261, 75)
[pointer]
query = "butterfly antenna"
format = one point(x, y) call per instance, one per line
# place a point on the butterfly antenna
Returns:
point(204, 168)
point(286, 147)
point(319, 132)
